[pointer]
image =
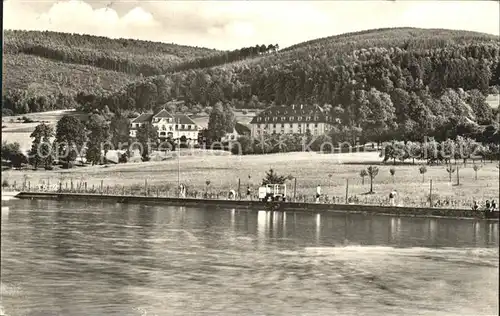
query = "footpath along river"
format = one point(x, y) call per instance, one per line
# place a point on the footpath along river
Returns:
point(87, 258)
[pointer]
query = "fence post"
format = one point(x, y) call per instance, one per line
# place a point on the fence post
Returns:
point(102, 184)
point(85, 186)
point(29, 186)
point(71, 185)
point(48, 184)
point(157, 192)
point(430, 194)
point(15, 185)
point(107, 190)
point(239, 186)
point(123, 190)
point(146, 187)
point(66, 185)
point(294, 189)
point(346, 191)
point(60, 186)
point(458, 176)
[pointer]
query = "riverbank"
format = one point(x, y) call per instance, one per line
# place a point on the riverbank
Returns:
point(331, 171)
point(258, 205)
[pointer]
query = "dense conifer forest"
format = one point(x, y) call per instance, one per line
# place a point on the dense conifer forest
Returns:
point(382, 84)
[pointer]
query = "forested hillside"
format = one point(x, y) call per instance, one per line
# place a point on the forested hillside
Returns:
point(123, 55)
point(381, 83)
point(43, 67)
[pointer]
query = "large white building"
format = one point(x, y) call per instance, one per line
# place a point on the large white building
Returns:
point(292, 119)
point(173, 126)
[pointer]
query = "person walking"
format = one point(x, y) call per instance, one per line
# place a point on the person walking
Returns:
point(392, 198)
point(475, 206)
point(182, 192)
point(494, 206)
point(318, 193)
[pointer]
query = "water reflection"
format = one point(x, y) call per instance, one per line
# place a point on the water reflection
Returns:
point(276, 220)
point(262, 220)
point(98, 259)
point(395, 228)
point(284, 225)
point(432, 230)
point(5, 212)
point(233, 212)
point(494, 230)
point(318, 228)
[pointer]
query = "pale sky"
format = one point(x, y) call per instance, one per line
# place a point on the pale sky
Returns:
point(226, 24)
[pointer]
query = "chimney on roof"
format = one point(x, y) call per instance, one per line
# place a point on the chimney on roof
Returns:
point(301, 106)
point(293, 106)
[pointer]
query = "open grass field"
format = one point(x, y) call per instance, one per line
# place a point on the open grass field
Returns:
point(331, 171)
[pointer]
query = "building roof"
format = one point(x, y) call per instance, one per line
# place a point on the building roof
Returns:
point(143, 118)
point(163, 114)
point(183, 119)
point(241, 128)
point(302, 113)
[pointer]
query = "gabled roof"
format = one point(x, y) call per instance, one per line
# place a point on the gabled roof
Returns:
point(143, 118)
point(163, 114)
point(290, 114)
point(241, 128)
point(183, 119)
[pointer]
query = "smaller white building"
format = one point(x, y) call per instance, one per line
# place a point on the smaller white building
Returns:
point(238, 131)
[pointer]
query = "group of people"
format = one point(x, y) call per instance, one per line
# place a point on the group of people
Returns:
point(489, 207)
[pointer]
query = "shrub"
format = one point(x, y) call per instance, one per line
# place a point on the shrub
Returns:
point(5, 183)
point(7, 112)
point(123, 158)
point(493, 90)
point(67, 165)
point(435, 198)
point(27, 120)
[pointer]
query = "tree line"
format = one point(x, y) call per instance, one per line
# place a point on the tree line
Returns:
point(226, 57)
point(484, 145)
point(16, 101)
point(74, 138)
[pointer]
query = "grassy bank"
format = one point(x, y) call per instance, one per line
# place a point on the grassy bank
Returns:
point(310, 169)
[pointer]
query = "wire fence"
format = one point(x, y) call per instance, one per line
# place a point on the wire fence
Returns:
point(172, 191)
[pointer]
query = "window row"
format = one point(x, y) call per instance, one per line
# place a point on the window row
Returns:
point(293, 118)
point(290, 125)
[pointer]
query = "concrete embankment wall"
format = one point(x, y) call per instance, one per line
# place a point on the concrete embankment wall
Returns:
point(258, 205)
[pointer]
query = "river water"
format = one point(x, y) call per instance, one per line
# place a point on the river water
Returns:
point(61, 258)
